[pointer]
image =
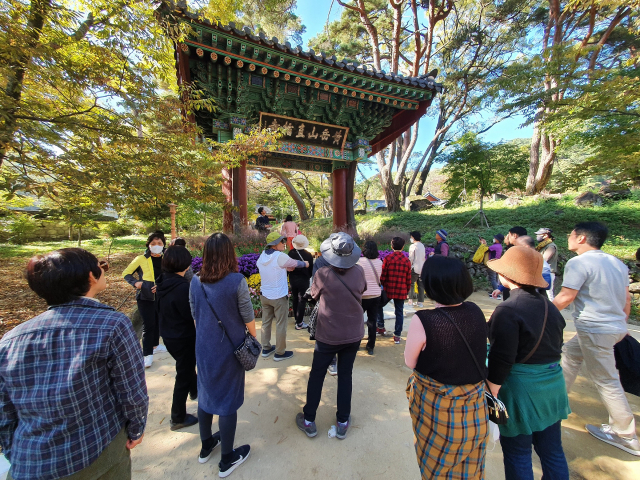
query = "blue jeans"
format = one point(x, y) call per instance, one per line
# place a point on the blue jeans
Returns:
point(399, 308)
point(516, 453)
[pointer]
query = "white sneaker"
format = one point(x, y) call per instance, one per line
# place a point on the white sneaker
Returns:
point(606, 434)
point(420, 305)
point(160, 349)
point(148, 361)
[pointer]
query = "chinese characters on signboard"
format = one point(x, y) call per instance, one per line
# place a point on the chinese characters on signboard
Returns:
point(303, 131)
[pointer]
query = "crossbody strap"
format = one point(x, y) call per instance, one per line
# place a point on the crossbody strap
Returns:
point(345, 285)
point(374, 272)
point(544, 324)
point(224, 331)
point(464, 339)
point(299, 255)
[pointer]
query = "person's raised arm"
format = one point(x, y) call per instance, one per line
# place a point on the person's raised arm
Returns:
point(416, 342)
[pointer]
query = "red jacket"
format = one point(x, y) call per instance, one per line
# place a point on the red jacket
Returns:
point(396, 276)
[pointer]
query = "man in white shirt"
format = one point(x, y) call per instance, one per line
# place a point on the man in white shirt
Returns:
point(597, 284)
point(416, 257)
point(273, 266)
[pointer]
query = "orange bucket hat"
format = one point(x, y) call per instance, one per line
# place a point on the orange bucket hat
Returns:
point(521, 265)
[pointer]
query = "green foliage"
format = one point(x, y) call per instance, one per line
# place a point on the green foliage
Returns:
point(21, 229)
point(477, 165)
point(561, 214)
point(121, 228)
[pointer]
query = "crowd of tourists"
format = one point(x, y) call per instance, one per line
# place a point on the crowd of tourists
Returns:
point(73, 395)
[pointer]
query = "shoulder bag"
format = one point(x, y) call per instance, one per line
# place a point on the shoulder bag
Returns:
point(248, 351)
point(384, 299)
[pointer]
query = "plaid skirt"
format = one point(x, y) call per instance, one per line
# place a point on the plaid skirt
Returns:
point(450, 424)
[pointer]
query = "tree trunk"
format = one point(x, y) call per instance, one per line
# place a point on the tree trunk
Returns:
point(302, 208)
point(351, 215)
point(13, 90)
point(541, 161)
point(204, 224)
point(534, 159)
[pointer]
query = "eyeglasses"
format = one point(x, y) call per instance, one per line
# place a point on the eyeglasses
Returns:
point(103, 265)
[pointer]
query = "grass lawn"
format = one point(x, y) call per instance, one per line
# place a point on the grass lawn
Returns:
point(18, 303)
point(622, 218)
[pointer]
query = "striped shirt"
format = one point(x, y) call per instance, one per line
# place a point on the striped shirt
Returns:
point(373, 288)
point(70, 380)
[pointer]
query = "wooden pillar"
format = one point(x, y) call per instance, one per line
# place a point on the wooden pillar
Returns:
point(339, 180)
point(242, 194)
point(172, 210)
point(227, 219)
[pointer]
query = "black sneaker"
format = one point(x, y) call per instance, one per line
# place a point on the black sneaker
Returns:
point(193, 396)
point(370, 351)
point(268, 351)
point(188, 421)
point(205, 453)
point(285, 356)
point(240, 455)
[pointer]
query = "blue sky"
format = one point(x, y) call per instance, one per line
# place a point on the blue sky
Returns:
point(314, 17)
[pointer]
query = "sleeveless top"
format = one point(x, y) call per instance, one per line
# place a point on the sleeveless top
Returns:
point(220, 375)
point(446, 358)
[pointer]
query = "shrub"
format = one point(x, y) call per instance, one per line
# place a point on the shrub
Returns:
point(120, 228)
point(21, 229)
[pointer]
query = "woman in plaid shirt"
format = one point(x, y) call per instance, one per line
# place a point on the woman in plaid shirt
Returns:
point(396, 280)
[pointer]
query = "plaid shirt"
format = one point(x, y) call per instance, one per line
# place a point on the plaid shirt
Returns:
point(70, 380)
point(396, 275)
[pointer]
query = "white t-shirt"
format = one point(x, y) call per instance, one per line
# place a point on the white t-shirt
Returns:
point(601, 280)
point(417, 256)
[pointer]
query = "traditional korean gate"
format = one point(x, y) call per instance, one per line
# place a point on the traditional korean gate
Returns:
point(334, 113)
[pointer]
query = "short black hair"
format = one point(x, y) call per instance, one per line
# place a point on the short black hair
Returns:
point(261, 209)
point(416, 235)
point(595, 232)
point(520, 231)
point(181, 242)
point(397, 243)
point(526, 240)
point(370, 250)
point(446, 280)
point(62, 275)
point(176, 259)
point(157, 234)
point(289, 218)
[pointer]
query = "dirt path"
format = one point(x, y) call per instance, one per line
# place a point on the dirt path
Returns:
point(380, 442)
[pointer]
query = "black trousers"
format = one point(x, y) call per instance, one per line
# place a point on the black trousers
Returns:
point(183, 350)
point(298, 288)
point(370, 306)
point(322, 356)
point(150, 328)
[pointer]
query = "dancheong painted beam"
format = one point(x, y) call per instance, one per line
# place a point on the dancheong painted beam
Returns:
point(335, 113)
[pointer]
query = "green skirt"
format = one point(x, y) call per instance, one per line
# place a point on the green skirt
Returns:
point(535, 397)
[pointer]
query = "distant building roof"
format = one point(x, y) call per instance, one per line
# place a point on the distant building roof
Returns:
point(435, 200)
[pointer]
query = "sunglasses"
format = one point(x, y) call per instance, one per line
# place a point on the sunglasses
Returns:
point(103, 265)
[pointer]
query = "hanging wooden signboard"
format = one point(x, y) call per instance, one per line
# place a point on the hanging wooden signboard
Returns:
point(304, 131)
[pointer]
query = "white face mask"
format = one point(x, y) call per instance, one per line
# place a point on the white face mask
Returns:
point(539, 238)
point(156, 249)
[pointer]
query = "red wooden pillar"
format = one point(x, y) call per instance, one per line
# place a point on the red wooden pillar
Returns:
point(339, 180)
point(227, 188)
point(242, 194)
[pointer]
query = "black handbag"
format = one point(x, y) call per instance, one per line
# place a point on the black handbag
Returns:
point(384, 299)
point(497, 411)
point(313, 321)
point(248, 351)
